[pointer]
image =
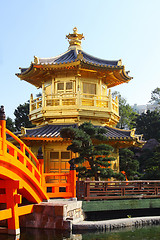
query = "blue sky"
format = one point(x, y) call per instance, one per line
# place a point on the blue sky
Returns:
point(113, 29)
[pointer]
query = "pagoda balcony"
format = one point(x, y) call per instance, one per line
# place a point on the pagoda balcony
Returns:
point(42, 105)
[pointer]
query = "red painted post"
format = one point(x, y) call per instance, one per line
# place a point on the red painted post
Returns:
point(11, 202)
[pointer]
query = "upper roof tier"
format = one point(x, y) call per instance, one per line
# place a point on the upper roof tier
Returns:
point(73, 55)
point(76, 58)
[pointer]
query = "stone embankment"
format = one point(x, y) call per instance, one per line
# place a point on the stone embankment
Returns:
point(68, 215)
point(116, 223)
point(54, 214)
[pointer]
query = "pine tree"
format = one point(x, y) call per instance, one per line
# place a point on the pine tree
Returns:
point(21, 113)
point(129, 164)
point(150, 163)
point(88, 142)
point(10, 124)
point(148, 124)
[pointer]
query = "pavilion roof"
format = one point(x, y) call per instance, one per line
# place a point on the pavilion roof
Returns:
point(73, 55)
point(51, 132)
point(72, 58)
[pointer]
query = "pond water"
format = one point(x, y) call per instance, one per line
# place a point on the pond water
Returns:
point(145, 233)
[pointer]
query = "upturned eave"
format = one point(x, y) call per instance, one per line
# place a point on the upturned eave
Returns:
point(37, 73)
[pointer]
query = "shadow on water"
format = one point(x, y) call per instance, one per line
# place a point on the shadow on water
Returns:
point(106, 215)
point(144, 233)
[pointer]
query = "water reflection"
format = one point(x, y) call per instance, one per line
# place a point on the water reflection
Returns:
point(145, 233)
point(9, 237)
point(38, 234)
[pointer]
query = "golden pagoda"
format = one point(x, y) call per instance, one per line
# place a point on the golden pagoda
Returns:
point(76, 87)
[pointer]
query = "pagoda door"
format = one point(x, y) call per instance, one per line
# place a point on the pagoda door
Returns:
point(58, 163)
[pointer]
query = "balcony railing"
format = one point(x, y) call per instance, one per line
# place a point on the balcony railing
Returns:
point(84, 100)
point(35, 103)
point(69, 99)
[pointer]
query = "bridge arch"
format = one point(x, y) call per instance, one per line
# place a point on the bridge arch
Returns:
point(16, 165)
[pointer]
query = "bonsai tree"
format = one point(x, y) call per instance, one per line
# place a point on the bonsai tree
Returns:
point(93, 154)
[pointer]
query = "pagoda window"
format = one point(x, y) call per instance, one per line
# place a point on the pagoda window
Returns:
point(64, 87)
point(65, 155)
point(60, 86)
point(62, 155)
point(54, 155)
point(89, 88)
point(69, 86)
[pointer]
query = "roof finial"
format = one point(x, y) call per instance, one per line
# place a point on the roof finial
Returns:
point(74, 38)
point(2, 113)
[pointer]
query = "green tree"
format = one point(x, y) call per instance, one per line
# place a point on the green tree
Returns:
point(127, 114)
point(21, 114)
point(148, 124)
point(10, 124)
point(128, 163)
point(96, 155)
point(150, 163)
point(155, 96)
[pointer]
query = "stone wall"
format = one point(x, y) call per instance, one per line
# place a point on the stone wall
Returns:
point(55, 214)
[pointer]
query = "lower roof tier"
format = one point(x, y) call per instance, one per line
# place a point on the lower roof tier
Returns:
point(115, 136)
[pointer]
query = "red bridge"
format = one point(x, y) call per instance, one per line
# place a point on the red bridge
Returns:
point(22, 175)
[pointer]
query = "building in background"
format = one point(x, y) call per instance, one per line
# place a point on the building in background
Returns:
point(144, 108)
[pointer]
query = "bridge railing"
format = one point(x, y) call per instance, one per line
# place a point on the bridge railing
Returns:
point(15, 150)
point(98, 190)
point(17, 153)
point(21, 153)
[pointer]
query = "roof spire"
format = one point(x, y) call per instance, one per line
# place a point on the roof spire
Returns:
point(74, 39)
point(2, 113)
